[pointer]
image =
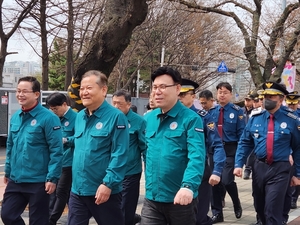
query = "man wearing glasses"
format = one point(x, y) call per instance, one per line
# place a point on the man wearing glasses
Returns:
point(175, 155)
point(33, 157)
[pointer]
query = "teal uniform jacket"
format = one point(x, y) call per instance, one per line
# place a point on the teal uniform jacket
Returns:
point(175, 154)
point(34, 147)
point(100, 155)
point(137, 142)
point(67, 124)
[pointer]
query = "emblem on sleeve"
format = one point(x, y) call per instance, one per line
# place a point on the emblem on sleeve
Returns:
point(56, 127)
point(198, 129)
point(211, 125)
point(173, 125)
point(241, 117)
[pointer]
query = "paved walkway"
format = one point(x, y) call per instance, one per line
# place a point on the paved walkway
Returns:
point(245, 193)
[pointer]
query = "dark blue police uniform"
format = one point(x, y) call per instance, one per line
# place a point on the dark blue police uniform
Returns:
point(215, 159)
point(270, 181)
point(233, 126)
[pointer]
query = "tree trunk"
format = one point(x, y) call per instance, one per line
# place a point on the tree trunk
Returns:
point(121, 17)
point(3, 54)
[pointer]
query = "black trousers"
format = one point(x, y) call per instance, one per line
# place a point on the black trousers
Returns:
point(82, 208)
point(230, 186)
point(269, 184)
point(62, 194)
point(130, 197)
point(158, 213)
point(16, 198)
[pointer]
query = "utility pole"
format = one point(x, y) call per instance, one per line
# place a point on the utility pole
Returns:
point(138, 80)
point(162, 56)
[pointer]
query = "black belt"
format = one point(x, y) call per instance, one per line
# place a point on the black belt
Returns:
point(265, 160)
point(230, 143)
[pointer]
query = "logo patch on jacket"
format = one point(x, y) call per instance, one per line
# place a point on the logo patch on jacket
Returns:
point(56, 127)
point(198, 129)
point(211, 125)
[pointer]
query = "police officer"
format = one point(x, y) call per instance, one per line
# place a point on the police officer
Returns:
point(101, 143)
point(33, 157)
point(175, 156)
point(272, 133)
point(59, 104)
point(231, 123)
point(214, 149)
point(292, 101)
point(249, 102)
point(137, 147)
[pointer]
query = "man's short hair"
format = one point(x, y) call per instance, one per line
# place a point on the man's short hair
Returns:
point(124, 93)
point(167, 71)
point(206, 94)
point(36, 86)
point(225, 85)
point(57, 99)
point(102, 78)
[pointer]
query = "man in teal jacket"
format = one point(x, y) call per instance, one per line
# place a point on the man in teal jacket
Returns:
point(175, 157)
point(59, 104)
point(101, 142)
point(137, 147)
point(33, 157)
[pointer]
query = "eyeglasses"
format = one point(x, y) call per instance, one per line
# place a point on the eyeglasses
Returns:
point(23, 91)
point(162, 87)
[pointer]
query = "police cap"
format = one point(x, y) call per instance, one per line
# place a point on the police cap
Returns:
point(273, 88)
point(292, 98)
point(188, 85)
point(250, 95)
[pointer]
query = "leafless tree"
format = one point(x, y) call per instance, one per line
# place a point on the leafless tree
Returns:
point(249, 22)
point(11, 16)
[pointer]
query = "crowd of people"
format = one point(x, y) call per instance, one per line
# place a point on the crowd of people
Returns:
point(93, 160)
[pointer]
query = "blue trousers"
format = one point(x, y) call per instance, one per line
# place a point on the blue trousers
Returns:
point(269, 184)
point(130, 197)
point(16, 198)
point(82, 208)
point(158, 213)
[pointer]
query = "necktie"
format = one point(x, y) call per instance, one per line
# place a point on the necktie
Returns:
point(220, 122)
point(270, 140)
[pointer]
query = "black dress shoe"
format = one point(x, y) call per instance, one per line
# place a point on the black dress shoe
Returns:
point(218, 218)
point(137, 218)
point(293, 205)
point(238, 212)
point(246, 175)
